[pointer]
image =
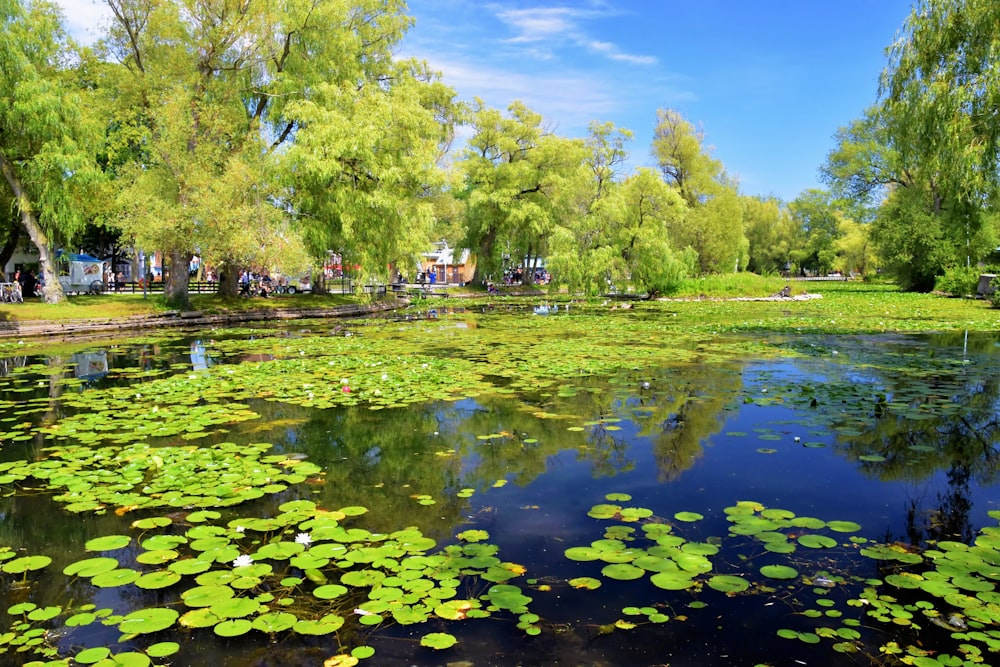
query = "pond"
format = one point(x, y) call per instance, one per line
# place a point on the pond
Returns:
point(499, 487)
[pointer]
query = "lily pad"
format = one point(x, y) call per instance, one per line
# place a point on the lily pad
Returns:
point(438, 640)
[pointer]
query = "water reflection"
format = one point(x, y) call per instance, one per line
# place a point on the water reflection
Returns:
point(897, 433)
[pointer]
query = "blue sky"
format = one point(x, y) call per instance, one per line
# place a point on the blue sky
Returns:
point(769, 82)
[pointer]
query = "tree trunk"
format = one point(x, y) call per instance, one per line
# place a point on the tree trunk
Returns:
point(52, 292)
point(175, 289)
point(484, 262)
point(228, 281)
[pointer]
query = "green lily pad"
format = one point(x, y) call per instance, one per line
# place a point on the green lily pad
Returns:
point(813, 541)
point(779, 572)
point(149, 620)
point(108, 543)
point(438, 640)
point(622, 571)
point(728, 583)
point(676, 580)
point(588, 583)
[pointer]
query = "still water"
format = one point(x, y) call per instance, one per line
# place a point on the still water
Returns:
point(635, 485)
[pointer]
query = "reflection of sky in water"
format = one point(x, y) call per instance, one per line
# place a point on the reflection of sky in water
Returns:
point(536, 516)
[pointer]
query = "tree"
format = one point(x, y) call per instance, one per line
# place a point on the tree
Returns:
point(645, 208)
point(624, 240)
point(937, 118)
point(363, 169)
point(713, 226)
point(47, 141)
point(940, 91)
point(772, 234)
point(519, 180)
point(816, 214)
point(582, 252)
point(855, 251)
point(863, 167)
point(224, 107)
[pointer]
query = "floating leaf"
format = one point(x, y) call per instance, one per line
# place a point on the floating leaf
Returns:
point(779, 572)
point(588, 583)
point(813, 541)
point(108, 543)
point(622, 571)
point(438, 640)
point(728, 583)
point(148, 620)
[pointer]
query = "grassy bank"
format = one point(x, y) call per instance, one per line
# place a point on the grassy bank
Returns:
point(112, 306)
point(708, 304)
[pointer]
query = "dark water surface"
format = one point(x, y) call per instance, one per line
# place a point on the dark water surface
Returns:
point(895, 433)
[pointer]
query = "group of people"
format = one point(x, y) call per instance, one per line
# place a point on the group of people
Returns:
point(114, 280)
point(252, 284)
point(515, 276)
point(28, 282)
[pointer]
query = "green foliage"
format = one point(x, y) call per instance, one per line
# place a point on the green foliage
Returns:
point(49, 138)
point(958, 281)
point(940, 87)
point(913, 243)
point(772, 234)
point(520, 182)
point(713, 224)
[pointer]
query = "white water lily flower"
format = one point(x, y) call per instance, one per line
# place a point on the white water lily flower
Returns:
point(241, 561)
point(240, 529)
point(363, 612)
point(304, 538)
point(385, 376)
point(344, 381)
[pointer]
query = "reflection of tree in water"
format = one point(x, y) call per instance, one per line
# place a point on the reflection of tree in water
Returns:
point(949, 520)
point(683, 411)
point(923, 413)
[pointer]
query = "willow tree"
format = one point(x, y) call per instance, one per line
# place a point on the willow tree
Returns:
point(938, 114)
point(713, 226)
point(213, 97)
point(520, 180)
point(581, 251)
point(365, 164)
point(47, 143)
point(941, 90)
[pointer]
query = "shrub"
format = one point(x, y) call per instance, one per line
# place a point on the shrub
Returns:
point(958, 281)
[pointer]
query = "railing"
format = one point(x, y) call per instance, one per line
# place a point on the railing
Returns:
point(204, 287)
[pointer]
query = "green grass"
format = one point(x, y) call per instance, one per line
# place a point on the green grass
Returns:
point(844, 307)
point(112, 306)
point(735, 285)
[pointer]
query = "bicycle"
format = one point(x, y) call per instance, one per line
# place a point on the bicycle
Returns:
point(11, 293)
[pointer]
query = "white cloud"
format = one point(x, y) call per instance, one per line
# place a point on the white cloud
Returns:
point(553, 26)
point(84, 18)
point(541, 23)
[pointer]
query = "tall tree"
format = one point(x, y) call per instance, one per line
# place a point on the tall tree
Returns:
point(519, 180)
point(625, 240)
point(364, 167)
point(772, 234)
point(938, 101)
point(713, 226)
point(941, 90)
point(817, 215)
point(218, 93)
point(47, 141)
point(582, 254)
